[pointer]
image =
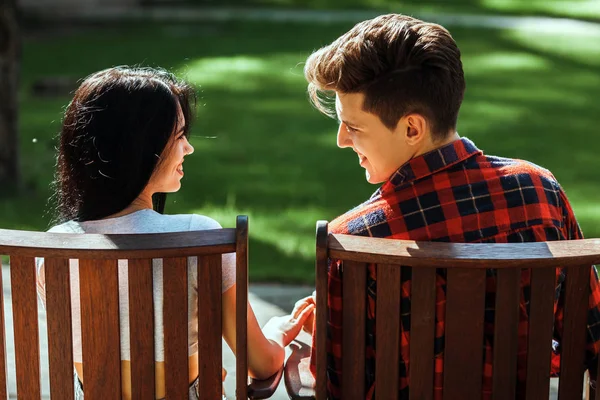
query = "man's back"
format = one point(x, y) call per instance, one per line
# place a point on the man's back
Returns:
point(457, 194)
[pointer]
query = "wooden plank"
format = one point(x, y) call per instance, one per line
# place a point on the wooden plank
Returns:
point(3, 361)
point(594, 391)
point(506, 331)
point(354, 294)
point(175, 317)
point(573, 344)
point(422, 333)
point(541, 321)
point(210, 273)
point(99, 291)
point(463, 363)
point(241, 308)
point(141, 326)
point(299, 381)
point(387, 328)
point(60, 333)
point(321, 302)
point(121, 246)
point(25, 319)
point(464, 255)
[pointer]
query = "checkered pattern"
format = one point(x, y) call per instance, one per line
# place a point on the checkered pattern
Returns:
point(458, 194)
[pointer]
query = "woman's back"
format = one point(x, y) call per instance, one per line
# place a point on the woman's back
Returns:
point(143, 221)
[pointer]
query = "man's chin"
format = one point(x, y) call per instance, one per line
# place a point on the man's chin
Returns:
point(374, 180)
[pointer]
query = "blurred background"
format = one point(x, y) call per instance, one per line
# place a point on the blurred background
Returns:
point(533, 83)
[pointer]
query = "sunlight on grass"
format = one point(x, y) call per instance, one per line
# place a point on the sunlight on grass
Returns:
point(572, 8)
point(243, 72)
point(498, 61)
point(582, 49)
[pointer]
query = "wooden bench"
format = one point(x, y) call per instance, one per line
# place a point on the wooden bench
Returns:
point(466, 266)
point(98, 255)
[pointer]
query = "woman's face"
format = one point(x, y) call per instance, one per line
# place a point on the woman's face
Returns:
point(167, 176)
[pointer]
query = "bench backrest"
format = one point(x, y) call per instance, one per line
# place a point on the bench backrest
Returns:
point(466, 266)
point(98, 256)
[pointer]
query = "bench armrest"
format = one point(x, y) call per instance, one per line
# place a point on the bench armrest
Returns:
point(299, 381)
point(263, 389)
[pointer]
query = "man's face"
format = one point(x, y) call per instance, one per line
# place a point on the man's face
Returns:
point(380, 151)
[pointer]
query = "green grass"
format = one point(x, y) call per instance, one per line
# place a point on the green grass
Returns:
point(274, 157)
point(579, 9)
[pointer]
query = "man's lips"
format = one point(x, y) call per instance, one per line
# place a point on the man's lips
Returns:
point(361, 159)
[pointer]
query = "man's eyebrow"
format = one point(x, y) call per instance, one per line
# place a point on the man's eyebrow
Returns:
point(346, 122)
point(350, 123)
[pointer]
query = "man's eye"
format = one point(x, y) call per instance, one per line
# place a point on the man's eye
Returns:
point(350, 129)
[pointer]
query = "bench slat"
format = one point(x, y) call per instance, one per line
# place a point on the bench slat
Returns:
point(321, 314)
point(98, 280)
point(422, 332)
point(353, 325)
point(508, 295)
point(60, 333)
point(141, 325)
point(464, 333)
point(3, 387)
point(573, 343)
point(241, 308)
point(209, 325)
point(541, 320)
point(387, 329)
point(25, 317)
point(176, 331)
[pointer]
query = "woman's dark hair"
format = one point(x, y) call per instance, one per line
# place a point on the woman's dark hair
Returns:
point(114, 131)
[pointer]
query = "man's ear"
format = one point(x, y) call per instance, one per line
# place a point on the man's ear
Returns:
point(415, 128)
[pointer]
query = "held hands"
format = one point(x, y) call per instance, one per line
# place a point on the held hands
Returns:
point(305, 302)
point(285, 329)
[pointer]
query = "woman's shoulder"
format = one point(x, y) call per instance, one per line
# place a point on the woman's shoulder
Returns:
point(201, 222)
point(67, 227)
point(194, 222)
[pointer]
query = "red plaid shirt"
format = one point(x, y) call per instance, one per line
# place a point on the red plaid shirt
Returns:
point(457, 194)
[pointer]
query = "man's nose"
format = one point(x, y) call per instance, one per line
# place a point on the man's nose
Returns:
point(343, 138)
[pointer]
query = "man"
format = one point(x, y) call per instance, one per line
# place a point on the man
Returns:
point(398, 85)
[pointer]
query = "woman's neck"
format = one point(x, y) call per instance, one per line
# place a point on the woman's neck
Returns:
point(142, 202)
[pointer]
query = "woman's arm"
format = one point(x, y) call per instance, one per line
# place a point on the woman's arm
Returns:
point(265, 347)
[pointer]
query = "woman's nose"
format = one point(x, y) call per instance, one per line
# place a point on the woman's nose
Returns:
point(189, 149)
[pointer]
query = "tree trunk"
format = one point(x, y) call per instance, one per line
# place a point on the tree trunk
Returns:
point(10, 49)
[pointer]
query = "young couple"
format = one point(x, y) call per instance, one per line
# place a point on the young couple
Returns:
point(398, 84)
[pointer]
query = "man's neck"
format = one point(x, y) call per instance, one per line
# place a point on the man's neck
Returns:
point(431, 144)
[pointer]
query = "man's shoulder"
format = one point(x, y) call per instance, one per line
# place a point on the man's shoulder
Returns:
point(368, 219)
point(507, 167)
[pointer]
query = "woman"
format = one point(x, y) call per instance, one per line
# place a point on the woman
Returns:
point(122, 147)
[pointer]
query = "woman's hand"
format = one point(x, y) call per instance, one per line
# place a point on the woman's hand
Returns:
point(300, 305)
point(284, 329)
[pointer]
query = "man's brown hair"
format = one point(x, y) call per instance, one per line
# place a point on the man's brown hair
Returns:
point(401, 64)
